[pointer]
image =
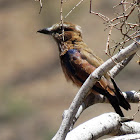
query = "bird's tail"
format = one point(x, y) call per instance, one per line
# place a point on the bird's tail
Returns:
point(122, 101)
point(115, 104)
point(112, 99)
point(115, 101)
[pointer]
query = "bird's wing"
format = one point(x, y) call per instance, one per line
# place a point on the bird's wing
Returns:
point(78, 64)
point(87, 53)
point(77, 67)
point(106, 82)
point(95, 61)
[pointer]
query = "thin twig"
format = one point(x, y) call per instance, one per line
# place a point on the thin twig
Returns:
point(105, 18)
point(107, 51)
point(41, 5)
point(136, 111)
point(73, 8)
point(61, 19)
point(138, 61)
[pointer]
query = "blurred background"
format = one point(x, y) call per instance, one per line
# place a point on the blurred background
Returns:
point(33, 89)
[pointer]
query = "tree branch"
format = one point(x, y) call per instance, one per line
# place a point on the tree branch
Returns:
point(126, 137)
point(105, 124)
point(131, 97)
point(116, 69)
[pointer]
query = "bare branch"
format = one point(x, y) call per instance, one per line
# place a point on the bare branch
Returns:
point(41, 5)
point(61, 18)
point(126, 137)
point(105, 18)
point(120, 23)
point(116, 69)
point(106, 124)
point(131, 97)
point(73, 8)
point(107, 51)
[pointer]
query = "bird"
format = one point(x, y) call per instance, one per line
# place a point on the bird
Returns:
point(78, 61)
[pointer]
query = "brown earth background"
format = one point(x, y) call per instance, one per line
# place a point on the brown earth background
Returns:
point(33, 89)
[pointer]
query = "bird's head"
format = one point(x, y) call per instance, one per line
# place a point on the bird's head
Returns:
point(72, 32)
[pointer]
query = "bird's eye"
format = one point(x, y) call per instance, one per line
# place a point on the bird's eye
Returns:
point(67, 29)
point(60, 29)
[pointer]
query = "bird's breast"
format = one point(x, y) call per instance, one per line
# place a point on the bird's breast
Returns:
point(75, 67)
point(68, 63)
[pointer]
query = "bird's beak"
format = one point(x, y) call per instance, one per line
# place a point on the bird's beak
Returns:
point(45, 31)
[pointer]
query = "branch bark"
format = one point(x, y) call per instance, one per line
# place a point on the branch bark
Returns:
point(116, 69)
point(91, 99)
point(126, 137)
point(106, 124)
